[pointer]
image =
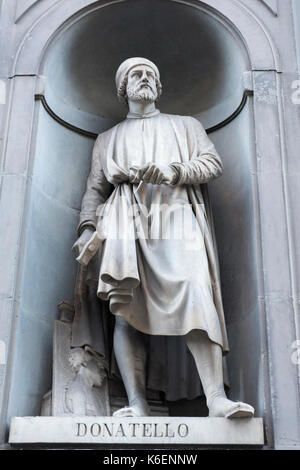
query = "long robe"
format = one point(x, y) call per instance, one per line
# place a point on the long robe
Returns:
point(162, 287)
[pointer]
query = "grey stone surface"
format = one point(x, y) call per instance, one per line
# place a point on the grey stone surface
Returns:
point(158, 430)
point(268, 44)
point(135, 152)
point(79, 384)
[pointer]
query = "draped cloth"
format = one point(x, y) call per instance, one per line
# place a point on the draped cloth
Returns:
point(156, 268)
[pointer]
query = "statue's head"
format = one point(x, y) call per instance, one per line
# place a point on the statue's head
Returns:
point(137, 79)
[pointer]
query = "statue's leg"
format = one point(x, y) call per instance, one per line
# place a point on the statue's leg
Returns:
point(208, 358)
point(130, 352)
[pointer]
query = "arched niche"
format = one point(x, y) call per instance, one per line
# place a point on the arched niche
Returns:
point(201, 71)
point(202, 59)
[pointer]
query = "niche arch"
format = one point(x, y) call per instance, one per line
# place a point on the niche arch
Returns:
point(54, 202)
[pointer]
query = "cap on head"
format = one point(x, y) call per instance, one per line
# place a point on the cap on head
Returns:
point(125, 67)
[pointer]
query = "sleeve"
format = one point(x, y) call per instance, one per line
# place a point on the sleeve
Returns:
point(205, 163)
point(98, 189)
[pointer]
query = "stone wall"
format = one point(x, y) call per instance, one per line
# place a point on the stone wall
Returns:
point(38, 211)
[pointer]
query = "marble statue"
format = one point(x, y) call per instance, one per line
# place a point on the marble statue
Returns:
point(146, 239)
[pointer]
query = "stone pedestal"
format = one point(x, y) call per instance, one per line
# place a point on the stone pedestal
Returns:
point(147, 430)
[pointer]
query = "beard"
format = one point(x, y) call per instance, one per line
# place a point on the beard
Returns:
point(141, 94)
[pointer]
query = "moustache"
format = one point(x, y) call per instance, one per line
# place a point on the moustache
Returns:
point(143, 85)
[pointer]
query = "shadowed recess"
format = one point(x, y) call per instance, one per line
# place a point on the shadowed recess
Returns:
point(200, 61)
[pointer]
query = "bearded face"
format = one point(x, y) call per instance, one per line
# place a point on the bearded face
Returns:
point(141, 85)
point(143, 93)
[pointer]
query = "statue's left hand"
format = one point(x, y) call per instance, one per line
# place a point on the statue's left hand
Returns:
point(135, 174)
point(82, 240)
point(156, 173)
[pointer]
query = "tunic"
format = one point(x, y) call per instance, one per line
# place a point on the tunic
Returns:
point(159, 268)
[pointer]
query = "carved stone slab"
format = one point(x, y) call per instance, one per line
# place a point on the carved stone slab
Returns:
point(62, 372)
point(81, 388)
point(148, 430)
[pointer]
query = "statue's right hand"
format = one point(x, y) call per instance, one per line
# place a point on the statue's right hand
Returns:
point(82, 241)
point(136, 174)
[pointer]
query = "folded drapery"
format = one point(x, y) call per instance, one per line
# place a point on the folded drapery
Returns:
point(164, 287)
